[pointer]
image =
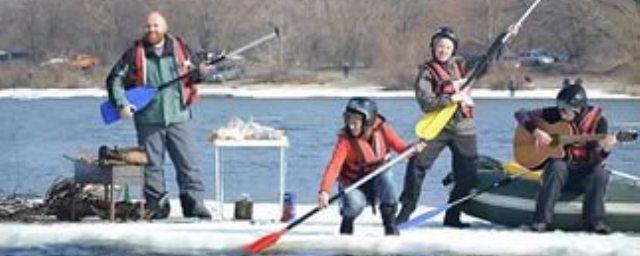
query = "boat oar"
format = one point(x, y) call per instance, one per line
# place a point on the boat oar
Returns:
point(433, 122)
point(268, 240)
point(140, 96)
point(631, 177)
point(418, 220)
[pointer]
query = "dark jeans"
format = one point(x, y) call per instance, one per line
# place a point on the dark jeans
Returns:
point(352, 203)
point(558, 176)
point(176, 140)
point(464, 152)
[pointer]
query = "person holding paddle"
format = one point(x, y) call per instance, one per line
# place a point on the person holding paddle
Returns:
point(581, 168)
point(362, 146)
point(439, 85)
point(161, 126)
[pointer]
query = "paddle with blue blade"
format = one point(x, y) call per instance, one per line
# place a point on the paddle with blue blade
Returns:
point(140, 96)
point(424, 217)
point(432, 123)
point(270, 239)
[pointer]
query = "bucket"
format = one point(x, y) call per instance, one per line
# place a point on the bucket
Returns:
point(243, 208)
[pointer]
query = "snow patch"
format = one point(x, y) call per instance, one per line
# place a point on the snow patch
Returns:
point(318, 234)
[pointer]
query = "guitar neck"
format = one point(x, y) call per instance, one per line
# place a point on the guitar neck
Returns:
point(571, 139)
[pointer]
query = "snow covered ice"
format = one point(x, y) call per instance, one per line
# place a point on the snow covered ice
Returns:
point(318, 236)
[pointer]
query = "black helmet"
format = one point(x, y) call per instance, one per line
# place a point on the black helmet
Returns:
point(445, 32)
point(572, 95)
point(365, 107)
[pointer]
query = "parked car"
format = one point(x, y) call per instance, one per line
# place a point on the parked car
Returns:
point(224, 72)
point(537, 58)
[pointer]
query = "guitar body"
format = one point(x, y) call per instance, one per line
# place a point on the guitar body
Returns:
point(531, 155)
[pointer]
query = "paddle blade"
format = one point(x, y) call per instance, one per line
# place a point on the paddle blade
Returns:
point(418, 220)
point(109, 113)
point(264, 242)
point(432, 123)
point(139, 97)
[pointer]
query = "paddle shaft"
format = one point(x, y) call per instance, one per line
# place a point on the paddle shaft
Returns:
point(495, 46)
point(357, 184)
point(635, 179)
point(432, 213)
point(432, 124)
point(220, 58)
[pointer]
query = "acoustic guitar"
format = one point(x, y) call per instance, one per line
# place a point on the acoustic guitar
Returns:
point(532, 155)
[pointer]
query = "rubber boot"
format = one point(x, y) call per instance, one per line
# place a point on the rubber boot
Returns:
point(159, 208)
point(405, 213)
point(388, 213)
point(346, 227)
point(452, 219)
point(193, 209)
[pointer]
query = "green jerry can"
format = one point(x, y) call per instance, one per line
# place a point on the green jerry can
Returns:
point(243, 208)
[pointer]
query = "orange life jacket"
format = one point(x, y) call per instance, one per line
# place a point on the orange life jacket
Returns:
point(365, 156)
point(444, 84)
point(586, 126)
point(347, 165)
point(189, 91)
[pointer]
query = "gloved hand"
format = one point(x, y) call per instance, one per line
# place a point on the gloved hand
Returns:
point(323, 199)
point(126, 111)
point(458, 83)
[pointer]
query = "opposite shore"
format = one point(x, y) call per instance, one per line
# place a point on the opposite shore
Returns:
point(297, 91)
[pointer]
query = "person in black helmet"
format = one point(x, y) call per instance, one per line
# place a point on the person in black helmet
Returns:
point(362, 146)
point(437, 85)
point(581, 170)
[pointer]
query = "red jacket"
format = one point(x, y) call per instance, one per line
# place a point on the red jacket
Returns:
point(344, 162)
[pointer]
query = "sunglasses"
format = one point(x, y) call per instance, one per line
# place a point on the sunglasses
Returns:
point(567, 108)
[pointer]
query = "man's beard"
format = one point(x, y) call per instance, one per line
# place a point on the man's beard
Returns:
point(154, 38)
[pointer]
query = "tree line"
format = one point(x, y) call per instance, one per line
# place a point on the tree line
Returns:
point(388, 37)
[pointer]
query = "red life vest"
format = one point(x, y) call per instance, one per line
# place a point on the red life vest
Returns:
point(189, 91)
point(586, 126)
point(443, 82)
point(365, 155)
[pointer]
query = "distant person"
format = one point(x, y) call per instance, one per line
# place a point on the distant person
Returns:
point(512, 88)
point(162, 125)
point(362, 146)
point(437, 85)
point(345, 69)
point(581, 170)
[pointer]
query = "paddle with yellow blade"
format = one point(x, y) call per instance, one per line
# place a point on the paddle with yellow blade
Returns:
point(511, 171)
point(430, 125)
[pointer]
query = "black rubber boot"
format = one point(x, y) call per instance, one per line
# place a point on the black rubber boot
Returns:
point(405, 213)
point(452, 219)
point(193, 209)
point(159, 208)
point(388, 213)
point(346, 227)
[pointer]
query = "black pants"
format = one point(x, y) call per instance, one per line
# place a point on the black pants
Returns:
point(559, 175)
point(464, 151)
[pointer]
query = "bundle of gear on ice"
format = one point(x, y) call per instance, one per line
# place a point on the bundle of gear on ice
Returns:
point(237, 129)
point(69, 200)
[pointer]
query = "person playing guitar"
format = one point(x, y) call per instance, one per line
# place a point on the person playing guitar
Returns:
point(580, 168)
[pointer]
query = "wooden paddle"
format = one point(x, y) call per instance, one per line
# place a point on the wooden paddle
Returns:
point(270, 239)
point(432, 123)
point(140, 96)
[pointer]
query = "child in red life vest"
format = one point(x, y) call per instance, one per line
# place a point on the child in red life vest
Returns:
point(362, 146)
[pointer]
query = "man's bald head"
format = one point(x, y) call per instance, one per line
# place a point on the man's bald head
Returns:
point(156, 28)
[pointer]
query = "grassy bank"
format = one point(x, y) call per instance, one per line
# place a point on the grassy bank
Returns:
point(25, 75)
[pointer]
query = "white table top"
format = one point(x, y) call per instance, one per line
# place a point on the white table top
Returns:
point(284, 142)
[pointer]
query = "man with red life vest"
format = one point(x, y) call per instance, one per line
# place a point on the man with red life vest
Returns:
point(581, 170)
point(362, 146)
point(436, 87)
point(161, 126)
